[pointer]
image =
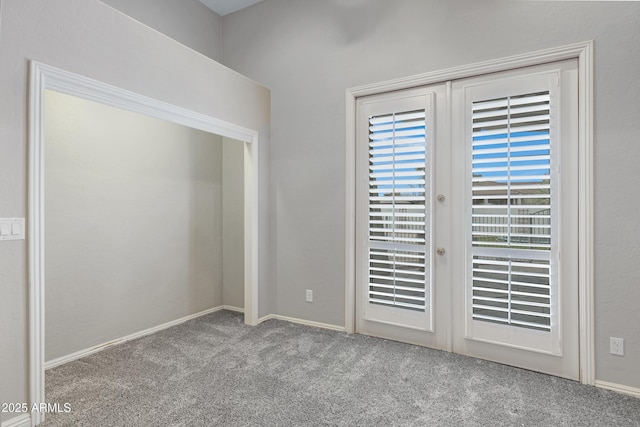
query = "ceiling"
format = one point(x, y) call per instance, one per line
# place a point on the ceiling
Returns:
point(225, 7)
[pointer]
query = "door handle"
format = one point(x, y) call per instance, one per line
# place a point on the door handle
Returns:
point(441, 251)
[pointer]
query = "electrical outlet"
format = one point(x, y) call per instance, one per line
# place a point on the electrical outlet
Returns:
point(309, 295)
point(617, 346)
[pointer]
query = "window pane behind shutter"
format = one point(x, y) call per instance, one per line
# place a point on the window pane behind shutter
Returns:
point(511, 210)
point(397, 210)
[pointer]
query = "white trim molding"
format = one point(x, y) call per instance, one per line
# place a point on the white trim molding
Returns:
point(302, 322)
point(44, 77)
point(584, 53)
point(632, 391)
point(23, 420)
point(230, 308)
point(97, 348)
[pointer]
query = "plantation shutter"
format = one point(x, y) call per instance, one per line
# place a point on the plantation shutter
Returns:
point(398, 264)
point(511, 199)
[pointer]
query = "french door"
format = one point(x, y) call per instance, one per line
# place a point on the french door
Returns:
point(400, 151)
point(467, 207)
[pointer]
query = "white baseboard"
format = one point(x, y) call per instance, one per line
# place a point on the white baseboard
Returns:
point(23, 420)
point(88, 351)
point(231, 308)
point(302, 322)
point(633, 391)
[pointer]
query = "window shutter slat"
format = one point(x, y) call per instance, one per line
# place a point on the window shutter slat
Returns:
point(397, 210)
point(511, 211)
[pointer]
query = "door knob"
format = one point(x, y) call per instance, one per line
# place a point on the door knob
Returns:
point(440, 251)
point(440, 197)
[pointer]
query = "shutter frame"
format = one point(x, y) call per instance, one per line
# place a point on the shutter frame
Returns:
point(398, 215)
point(511, 201)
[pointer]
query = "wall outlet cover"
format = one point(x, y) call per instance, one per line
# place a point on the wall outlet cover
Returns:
point(617, 346)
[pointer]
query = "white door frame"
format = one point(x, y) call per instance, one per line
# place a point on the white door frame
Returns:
point(43, 77)
point(584, 53)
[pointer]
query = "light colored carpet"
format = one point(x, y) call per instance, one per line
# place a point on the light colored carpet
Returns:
point(215, 371)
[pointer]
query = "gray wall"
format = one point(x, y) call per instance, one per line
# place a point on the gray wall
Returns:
point(188, 21)
point(90, 38)
point(308, 52)
point(133, 222)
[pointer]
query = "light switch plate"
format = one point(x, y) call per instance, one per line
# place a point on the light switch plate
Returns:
point(11, 229)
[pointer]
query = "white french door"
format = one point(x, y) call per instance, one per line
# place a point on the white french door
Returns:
point(517, 203)
point(400, 147)
point(467, 217)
